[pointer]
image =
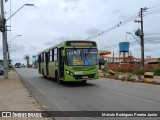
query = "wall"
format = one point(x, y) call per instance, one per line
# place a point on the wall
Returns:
point(128, 66)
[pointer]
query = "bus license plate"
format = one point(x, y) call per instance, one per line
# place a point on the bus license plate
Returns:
point(84, 77)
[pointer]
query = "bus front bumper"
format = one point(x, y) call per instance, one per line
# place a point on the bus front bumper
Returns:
point(79, 78)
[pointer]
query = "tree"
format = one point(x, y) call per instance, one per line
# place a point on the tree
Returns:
point(27, 58)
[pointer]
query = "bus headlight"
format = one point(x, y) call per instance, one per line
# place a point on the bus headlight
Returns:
point(69, 73)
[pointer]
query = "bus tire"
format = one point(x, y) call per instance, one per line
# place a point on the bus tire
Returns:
point(83, 82)
point(45, 76)
point(57, 78)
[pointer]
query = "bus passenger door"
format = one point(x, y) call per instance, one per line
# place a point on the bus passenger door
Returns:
point(47, 60)
point(39, 63)
point(60, 63)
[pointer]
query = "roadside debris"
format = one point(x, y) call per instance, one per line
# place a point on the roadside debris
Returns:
point(111, 74)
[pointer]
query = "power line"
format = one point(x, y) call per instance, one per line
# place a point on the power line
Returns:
point(153, 12)
point(151, 33)
point(134, 43)
point(116, 26)
point(153, 38)
point(154, 6)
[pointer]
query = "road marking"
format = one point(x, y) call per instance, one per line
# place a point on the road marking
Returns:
point(136, 97)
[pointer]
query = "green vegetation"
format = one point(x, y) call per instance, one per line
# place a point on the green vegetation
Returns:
point(138, 71)
point(124, 71)
point(156, 70)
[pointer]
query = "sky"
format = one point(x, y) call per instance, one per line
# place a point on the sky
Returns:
point(49, 22)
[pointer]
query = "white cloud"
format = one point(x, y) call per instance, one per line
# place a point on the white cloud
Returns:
point(93, 31)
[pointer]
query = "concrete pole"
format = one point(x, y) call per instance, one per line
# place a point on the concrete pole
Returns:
point(113, 58)
point(4, 37)
point(142, 41)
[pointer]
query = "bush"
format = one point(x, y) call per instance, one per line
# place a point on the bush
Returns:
point(138, 71)
point(124, 71)
point(156, 70)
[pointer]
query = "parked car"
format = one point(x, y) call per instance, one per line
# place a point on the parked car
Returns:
point(1, 70)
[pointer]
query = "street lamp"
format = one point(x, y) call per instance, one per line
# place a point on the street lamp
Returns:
point(142, 50)
point(10, 48)
point(19, 9)
point(14, 38)
point(134, 37)
point(4, 36)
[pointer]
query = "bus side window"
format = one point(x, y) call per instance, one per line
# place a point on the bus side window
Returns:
point(55, 54)
point(50, 55)
point(42, 58)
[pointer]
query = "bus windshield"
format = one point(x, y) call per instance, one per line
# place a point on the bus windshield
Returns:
point(81, 56)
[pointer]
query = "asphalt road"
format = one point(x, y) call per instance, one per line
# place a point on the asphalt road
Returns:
point(98, 95)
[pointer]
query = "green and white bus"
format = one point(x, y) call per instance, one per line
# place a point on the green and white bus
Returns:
point(70, 61)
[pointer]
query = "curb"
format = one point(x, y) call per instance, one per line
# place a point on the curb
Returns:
point(129, 79)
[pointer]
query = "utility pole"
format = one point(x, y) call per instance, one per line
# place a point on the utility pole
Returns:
point(140, 33)
point(4, 37)
point(142, 39)
point(3, 29)
point(113, 58)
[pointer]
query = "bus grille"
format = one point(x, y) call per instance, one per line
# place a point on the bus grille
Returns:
point(83, 68)
point(81, 76)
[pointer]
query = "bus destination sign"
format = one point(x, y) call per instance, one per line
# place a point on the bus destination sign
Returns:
point(81, 43)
